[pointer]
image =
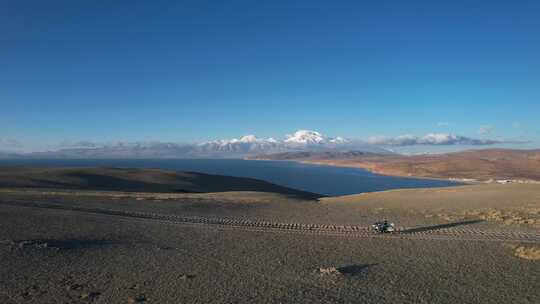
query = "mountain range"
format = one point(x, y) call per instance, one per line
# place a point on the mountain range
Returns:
point(301, 140)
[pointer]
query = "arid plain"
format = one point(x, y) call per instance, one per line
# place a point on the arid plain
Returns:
point(65, 238)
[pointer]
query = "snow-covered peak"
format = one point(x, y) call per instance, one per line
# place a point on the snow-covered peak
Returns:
point(339, 140)
point(248, 139)
point(299, 140)
point(306, 137)
point(437, 139)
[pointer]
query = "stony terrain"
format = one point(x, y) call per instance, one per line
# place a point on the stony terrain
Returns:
point(91, 246)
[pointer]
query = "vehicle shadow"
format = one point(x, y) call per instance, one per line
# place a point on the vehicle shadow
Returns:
point(355, 270)
point(441, 226)
point(66, 244)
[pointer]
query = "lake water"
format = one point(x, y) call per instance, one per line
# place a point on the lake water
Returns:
point(325, 180)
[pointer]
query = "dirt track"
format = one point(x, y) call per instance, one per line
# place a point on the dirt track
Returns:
point(451, 231)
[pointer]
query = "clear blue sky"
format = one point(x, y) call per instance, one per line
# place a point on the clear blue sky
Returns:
point(194, 70)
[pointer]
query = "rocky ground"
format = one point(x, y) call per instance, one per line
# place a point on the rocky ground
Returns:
point(58, 255)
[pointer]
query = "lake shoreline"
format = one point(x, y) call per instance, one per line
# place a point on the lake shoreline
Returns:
point(374, 171)
point(315, 178)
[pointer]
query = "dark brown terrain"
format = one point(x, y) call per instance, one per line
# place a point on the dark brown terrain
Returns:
point(466, 244)
point(134, 180)
point(475, 164)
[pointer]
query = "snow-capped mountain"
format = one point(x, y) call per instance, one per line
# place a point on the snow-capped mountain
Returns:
point(301, 140)
point(308, 137)
point(248, 144)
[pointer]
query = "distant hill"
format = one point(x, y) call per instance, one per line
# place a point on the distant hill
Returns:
point(134, 180)
point(325, 155)
point(9, 155)
point(474, 164)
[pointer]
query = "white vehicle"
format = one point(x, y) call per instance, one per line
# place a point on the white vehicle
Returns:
point(384, 227)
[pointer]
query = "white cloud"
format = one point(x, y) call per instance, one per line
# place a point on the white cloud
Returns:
point(79, 144)
point(10, 143)
point(402, 140)
point(485, 129)
point(431, 139)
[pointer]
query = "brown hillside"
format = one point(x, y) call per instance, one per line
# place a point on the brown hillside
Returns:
point(133, 180)
point(474, 164)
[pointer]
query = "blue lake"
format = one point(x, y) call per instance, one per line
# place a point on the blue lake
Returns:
point(325, 180)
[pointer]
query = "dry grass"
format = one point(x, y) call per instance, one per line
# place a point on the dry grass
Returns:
point(329, 271)
point(526, 252)
point(529, 253)
point(514, 204)
point(521, 216)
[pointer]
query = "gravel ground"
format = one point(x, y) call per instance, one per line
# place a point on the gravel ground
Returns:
point(58, 256)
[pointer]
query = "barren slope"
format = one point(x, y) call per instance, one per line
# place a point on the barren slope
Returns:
point(474, 164)
point(139, 180)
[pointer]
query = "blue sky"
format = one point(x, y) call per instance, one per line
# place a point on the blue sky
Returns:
point(186, 71)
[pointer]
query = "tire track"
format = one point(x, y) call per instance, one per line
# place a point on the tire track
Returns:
point(454, 233)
